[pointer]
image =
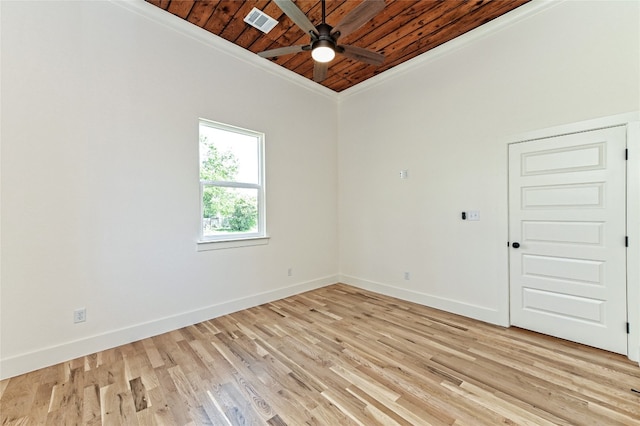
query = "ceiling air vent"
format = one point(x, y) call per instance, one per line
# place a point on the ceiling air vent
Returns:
point(260, 20)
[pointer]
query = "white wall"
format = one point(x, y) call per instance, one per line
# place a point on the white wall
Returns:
point(99, 194)
point(447, 119)
point(99, 173)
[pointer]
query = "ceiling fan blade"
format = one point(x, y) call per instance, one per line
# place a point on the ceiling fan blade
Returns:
point(362, 55)
point(320, 71)
point(281, 51)
point(296, 15)
point(358, 17)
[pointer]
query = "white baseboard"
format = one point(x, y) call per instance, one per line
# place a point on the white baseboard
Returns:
point(480, 313)
point(26, 362)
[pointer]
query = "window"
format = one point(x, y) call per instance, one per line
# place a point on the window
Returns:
point(231, 183)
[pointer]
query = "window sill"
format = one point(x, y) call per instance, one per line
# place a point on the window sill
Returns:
point(227, 244)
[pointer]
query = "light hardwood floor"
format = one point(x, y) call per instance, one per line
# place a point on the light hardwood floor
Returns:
point(333, 356)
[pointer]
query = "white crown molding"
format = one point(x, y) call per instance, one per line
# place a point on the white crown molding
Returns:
point(177, 24)
point(498, 24)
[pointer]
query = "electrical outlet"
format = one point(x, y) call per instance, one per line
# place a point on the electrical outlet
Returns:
point(290, 272)
point(80, 315)
point(407, 276)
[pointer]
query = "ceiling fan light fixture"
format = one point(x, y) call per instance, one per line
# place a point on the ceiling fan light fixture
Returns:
point(324, 37)
point(323, 51)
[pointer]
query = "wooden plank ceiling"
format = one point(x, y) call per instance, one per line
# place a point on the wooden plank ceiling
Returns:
point(403, 30)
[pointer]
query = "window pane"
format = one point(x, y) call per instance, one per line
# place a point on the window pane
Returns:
point(229, 210)
point(228, 156)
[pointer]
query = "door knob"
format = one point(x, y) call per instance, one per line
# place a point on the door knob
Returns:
point(515, 245)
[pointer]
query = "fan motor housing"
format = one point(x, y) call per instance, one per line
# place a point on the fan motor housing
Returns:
point(324, 33)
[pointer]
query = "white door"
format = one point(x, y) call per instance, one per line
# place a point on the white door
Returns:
point(567, 237)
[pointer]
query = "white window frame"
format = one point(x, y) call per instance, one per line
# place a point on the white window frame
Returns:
point(235, 239)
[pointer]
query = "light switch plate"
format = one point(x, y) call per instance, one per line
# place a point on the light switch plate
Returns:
point(473, 215)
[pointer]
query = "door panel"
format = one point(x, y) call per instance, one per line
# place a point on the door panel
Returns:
point(577, 233)
point(567, 212)
point(567, 307)
point(562, 196)
point(589, 157)
point(562, 269)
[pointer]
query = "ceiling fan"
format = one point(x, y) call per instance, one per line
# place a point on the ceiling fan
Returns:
point(324, 38)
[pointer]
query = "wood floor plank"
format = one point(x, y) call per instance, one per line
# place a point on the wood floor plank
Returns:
point(116, 406)
point(212, 407)
point(91, 414)
point(171, 398)
point(159, 412)
point(385, 408)
point(337, 355)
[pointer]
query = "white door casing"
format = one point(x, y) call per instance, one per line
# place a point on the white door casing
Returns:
point(567, 212)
